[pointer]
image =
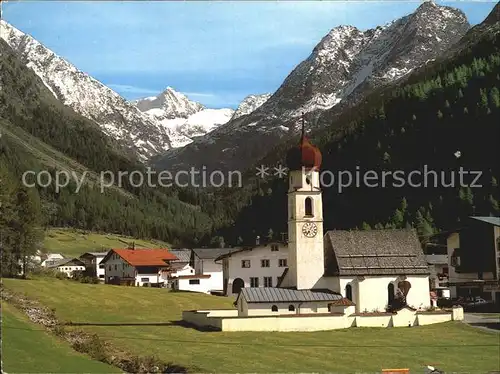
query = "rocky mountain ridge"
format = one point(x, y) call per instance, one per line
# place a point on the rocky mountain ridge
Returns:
point(344, 67)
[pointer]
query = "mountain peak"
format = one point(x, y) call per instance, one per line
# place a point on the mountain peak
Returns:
point(494, 16)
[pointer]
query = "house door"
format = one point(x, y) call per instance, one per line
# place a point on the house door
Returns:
point(238, 284)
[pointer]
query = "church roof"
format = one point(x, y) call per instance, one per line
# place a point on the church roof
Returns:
point(374, 252)
point(286, 295)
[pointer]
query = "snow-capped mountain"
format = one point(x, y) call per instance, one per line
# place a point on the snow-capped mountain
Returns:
point(87, 96)
point(169, 104)
point(249, 104)
point(343, 68)
point(183, 118)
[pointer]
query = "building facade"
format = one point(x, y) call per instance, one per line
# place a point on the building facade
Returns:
point(474, 259)
point(203, 262)
point(93, 264)
point(138, 267)
point(258, 266)
point(67, 266)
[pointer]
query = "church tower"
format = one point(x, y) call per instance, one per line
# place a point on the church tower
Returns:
point(305, 216)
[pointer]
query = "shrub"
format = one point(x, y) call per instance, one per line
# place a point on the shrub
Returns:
point(61, 275)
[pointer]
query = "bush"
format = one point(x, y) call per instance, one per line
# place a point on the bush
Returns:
point(61, 275)
point(93, 346)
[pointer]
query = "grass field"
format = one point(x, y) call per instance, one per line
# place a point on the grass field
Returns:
point(71, 242)
point(27, 348)
point(140, 320)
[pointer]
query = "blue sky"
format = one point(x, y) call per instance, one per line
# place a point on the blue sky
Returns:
point(216, 52)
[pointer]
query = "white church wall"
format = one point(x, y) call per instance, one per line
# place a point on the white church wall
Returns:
point(265, 309)
point(227, 320)
point(406, 317)
point(419, 294)
point(431, 318)
point(374, 320)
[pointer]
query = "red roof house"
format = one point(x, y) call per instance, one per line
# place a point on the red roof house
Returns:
point(137, 266)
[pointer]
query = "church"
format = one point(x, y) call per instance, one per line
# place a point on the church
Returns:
point(335, 279)
point(369, 268)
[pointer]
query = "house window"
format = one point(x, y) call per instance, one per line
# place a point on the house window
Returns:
point(291, 308)
point(194, 281)
point(268, 281)
point(109, 267)
point(274, 248)
point(282, 263)
point(254, 282)
point(144, 280)
point(116, 267)
point(274, 308)
point(308, 207)
point(348, 292)
point(264, 263)
point(245, 263)
point(101, 266)
point(455, 258)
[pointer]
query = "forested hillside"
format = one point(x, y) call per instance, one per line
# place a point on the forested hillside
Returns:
point(43, 126)
point(445, 116)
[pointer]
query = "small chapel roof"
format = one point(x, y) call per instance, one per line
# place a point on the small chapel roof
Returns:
point(374, 252)
point(287, 295)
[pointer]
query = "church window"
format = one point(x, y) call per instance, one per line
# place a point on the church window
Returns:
point(274, 308)
point(264, 263)
point(308, 206)
point(291, 308)
point(348, 292)
point(390, 293)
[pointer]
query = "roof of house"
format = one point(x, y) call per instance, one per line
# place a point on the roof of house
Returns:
point(287, 295)
point(143, 257)
point(437, 259)
point(374, 252)
point(491, 220)
point(66, 261)
point(249, 248)
point(182, 254)
point(211, 253)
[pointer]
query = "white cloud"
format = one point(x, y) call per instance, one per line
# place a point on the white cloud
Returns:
point(123, 88)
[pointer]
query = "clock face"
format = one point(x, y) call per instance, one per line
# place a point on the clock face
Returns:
point(310, 229)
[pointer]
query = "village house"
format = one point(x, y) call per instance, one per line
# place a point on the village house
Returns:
point(181, 265)
point(474, 259)
point(203, 262)
point(439, 270)
point(50, 259)
point(93, 265)
point(138, 267)
point(254, 266)
point(67, 266)
point(183, 277)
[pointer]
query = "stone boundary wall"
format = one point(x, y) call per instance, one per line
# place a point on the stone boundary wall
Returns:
point(228, 320)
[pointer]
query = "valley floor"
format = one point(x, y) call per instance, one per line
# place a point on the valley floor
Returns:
point(145, 321)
